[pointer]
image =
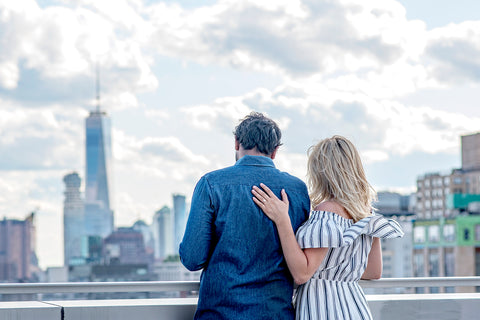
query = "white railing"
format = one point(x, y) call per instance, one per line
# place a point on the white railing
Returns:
point(91, 287)
point(162, 286)
point(439, 306)
point(422, 282)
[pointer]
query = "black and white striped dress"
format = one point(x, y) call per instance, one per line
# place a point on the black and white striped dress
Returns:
point(333, 291)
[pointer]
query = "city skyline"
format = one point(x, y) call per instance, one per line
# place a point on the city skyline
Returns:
point(400, 78)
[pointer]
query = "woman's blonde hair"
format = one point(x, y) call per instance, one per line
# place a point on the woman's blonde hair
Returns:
point(335, 172)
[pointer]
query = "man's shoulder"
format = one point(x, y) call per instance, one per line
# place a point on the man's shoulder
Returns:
point(218, 172)
point(233, 170)
point(292, 179)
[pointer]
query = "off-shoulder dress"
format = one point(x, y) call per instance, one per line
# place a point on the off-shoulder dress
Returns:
point(333, 291)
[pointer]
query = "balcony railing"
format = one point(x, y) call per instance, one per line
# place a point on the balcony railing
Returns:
point(438, 306)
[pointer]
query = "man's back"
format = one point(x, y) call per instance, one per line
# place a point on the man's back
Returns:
point(245, 275)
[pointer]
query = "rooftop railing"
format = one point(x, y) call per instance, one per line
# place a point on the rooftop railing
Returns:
point(192, 286)
point(437, 306)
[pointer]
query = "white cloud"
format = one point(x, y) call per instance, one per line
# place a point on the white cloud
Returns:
point(9, 75)
point(64, 44)
point(223, 114)
point(159, 116)
point(296, 38)
point(372, 156)
point(455, 49)
point(45, 138)
point(382, 127)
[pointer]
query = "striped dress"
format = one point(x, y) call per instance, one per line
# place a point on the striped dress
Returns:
point(333, 291)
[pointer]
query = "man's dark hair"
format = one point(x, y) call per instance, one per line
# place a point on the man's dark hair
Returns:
point(256, 130)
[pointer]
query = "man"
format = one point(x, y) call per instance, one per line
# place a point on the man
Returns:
point(244, 273)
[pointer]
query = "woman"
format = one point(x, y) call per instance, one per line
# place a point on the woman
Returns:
point(340, 243)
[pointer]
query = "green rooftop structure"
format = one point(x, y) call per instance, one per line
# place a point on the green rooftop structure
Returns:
point(461, 200)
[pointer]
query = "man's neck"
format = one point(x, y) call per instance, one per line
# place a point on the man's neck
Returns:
point(252, 152)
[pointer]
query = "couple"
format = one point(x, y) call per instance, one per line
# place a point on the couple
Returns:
point(251, 231)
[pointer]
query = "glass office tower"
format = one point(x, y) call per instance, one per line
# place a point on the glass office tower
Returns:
point(73, 219)
point(98, 211)
point(180, 216)
point(163, 233)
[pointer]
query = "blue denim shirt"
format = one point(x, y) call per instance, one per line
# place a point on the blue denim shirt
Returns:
point(245, 275)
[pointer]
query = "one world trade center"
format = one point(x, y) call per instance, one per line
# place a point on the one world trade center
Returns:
point(98, 211)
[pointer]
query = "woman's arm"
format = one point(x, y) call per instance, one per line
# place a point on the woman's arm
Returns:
point(374, 264)
point(301, 263)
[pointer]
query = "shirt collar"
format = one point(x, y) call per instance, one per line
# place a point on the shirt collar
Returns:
point(260, 161)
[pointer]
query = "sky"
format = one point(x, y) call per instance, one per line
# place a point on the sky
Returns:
point(401, 79)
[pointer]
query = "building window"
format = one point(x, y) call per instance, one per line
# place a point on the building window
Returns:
point(433, 233)
point(419, 234)
point(418, 268)
point(449, 262)
point(449, 232)
point(457, 180)
point(477, 232)
point(477, 265)
point(449, 267)
point(446, 181)
point(433, 267)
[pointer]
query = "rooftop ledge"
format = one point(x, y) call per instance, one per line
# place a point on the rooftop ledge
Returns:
point(438, 306)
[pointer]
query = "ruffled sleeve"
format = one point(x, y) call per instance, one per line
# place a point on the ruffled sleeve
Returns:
point(328, 230)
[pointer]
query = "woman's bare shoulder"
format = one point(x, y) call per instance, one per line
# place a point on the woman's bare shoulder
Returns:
point(332, 206)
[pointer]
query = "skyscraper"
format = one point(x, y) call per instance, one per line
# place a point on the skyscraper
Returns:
point(98, 211)
point(180, 214)
point(73, 219)
point(163, 233)
point(17, 249)
point(471, 151)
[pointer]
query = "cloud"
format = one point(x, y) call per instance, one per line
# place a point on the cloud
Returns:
point(369, 47)
point(293, 38)
point(50, 54)
point(159, 116)
point(222, 115)
point(456, 49)
point(45, 138)
point(383, 128)
point(170, 149)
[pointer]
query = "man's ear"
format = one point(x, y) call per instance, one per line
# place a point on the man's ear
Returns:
point(237, 145)
point(274, 153)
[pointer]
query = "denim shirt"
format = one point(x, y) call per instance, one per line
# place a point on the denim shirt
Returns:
point(245, 275)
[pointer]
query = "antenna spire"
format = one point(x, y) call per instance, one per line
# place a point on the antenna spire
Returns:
point(98, 87)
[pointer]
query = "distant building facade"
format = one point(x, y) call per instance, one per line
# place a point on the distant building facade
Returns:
point(432, 193)
point(446, 233)
point(180, 215)
point(436, 191)
point(471, 152)
point(73, 219)
point(397, 253)
point(447, 247)
point(175, 271)
point(163, 230)
point(125, 246)
point(98, 211)
point(147, 234)
point(17, 249)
